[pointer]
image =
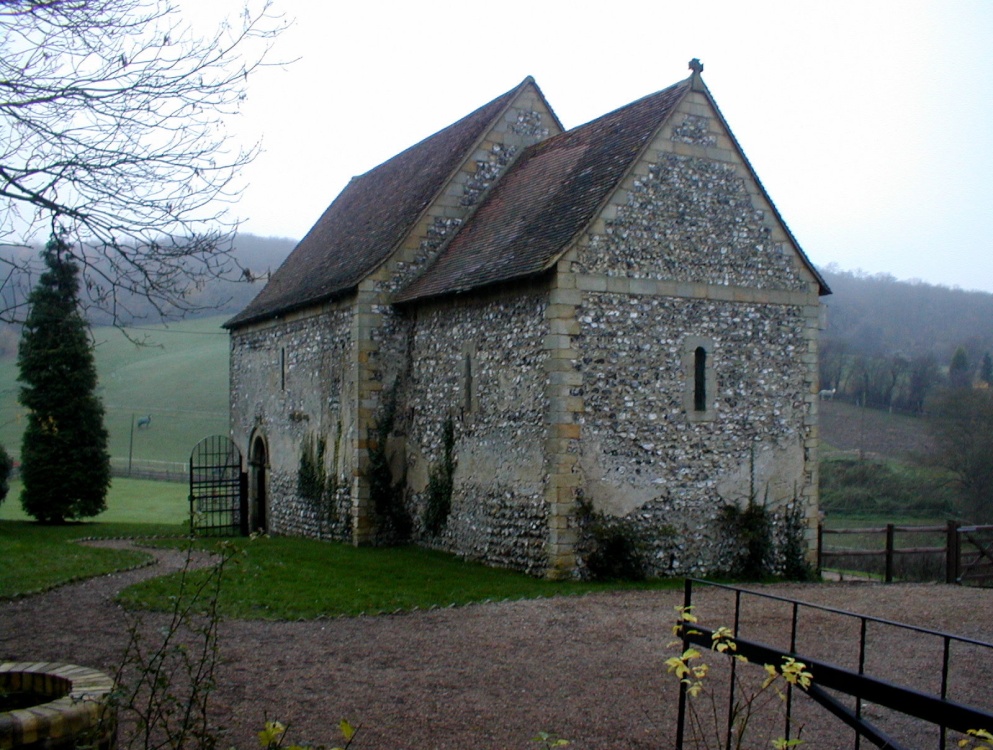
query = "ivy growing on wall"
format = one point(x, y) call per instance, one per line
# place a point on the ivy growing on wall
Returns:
point(438, 500)
point(759, 542)
point(317, 486)
point(393, 521)
point(793, 543)
point(312, 474)
point(748, 536)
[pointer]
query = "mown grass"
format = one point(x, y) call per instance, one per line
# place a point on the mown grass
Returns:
point(128, 501)
point(289, 578)
point(36, 557)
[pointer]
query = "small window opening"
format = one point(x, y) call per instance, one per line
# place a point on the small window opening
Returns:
point(282, 369)
point(700, 379)
point(467, 403)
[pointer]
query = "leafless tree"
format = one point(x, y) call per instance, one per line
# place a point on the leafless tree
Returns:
point(112, 135)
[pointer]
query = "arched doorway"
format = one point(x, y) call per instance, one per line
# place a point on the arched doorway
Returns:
point(258, 497)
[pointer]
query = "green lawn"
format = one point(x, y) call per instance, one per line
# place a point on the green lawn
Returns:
point(135, 508)
point(290, 578)
point(277, 578)
point(36, 558)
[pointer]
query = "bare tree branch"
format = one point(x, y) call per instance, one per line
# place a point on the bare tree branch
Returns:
point(112, 131)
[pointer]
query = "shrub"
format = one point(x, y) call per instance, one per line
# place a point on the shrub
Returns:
point(793, 544)
point(864, 486)
point(613, 548)
point(748, 535)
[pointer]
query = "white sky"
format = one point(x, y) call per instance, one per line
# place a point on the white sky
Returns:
point(870, 123)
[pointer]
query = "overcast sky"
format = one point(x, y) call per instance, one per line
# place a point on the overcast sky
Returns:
point(870, 123)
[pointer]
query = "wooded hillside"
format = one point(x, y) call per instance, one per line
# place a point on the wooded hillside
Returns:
point(890, 343)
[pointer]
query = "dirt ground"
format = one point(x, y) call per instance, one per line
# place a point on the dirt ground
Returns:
point(590, 669)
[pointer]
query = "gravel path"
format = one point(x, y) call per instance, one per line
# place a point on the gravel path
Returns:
point(492, 675)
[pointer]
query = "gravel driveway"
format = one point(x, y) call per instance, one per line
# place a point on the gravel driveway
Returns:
point(587, 668)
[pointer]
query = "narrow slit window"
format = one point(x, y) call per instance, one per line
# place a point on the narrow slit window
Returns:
point(700, 379)
point(467, 403)
point(282, 368)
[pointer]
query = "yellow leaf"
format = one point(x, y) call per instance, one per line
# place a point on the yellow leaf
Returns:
point(347, 730)
point(271, 733)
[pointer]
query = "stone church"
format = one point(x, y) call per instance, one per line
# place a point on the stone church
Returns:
point(510, 326)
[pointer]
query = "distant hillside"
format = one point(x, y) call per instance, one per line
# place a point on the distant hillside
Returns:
point(879, 315)
point(260, 255)
point(889, 343)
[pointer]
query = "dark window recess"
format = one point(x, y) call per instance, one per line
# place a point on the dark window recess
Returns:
point(467, 404)
point(700, 379)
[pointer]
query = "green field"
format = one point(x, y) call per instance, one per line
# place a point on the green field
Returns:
point(129, 501)
point(179, 378)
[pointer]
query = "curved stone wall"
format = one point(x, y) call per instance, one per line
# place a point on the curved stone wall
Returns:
point(78, 714)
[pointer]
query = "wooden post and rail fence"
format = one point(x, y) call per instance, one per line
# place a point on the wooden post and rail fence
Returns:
point(966, 553)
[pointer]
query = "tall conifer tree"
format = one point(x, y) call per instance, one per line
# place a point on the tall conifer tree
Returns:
point(959, 373)
point(65, 466)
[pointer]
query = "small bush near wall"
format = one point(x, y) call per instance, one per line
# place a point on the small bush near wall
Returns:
point(613, 548)
point(759, 543)
point(747, 534)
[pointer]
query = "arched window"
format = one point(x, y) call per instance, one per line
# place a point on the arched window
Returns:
point(700, 379)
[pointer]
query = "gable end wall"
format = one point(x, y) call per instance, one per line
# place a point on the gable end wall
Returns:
point(689, 253)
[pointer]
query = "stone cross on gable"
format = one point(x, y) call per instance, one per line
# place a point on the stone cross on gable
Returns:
point(696, 66)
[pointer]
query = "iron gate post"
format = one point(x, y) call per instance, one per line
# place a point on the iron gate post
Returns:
point(243, 503)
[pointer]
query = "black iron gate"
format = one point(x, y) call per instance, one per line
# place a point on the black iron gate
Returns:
point(218, 489)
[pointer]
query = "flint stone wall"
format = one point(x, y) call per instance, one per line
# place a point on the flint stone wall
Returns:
point(289, 384)
point(691, 219)
point(643, 457)
point(523, 124)
point(482, 363)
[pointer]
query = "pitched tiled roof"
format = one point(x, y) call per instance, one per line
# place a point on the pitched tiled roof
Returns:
point(545, 199)
point(369, 218)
